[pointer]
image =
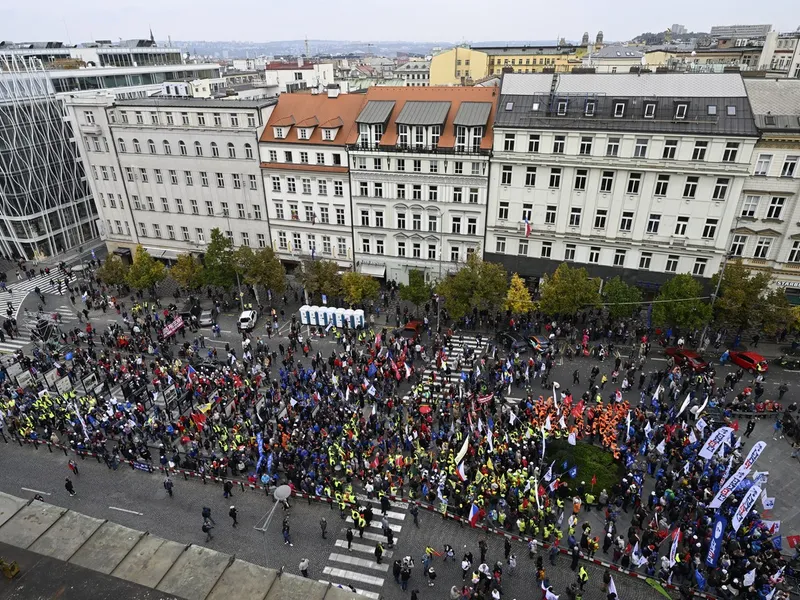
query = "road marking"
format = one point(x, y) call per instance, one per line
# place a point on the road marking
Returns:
point(36, 491)
point(354, 575)
point(375, 537)
point(133, 512)
point(363, 548)
point(372, 595)
point(358, 562)
point(375, 525)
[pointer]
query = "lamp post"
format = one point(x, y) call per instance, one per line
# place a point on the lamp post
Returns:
point(227, 216)
point(281, 493)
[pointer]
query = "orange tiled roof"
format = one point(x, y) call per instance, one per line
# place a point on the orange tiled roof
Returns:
point(331, 112)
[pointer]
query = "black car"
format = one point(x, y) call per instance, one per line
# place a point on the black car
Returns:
point(511, 340)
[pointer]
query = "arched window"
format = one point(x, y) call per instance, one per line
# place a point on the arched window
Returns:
point(248, 151)
point(121, 144)
point(198, 149)
point(167, 147)
point(231, 150)
point(152, 146)
point(182, 148)
point(136, 147)
point(214, 150)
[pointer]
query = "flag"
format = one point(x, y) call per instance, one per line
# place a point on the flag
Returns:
point(512, 416)
point(773, 527)
point(562, 423)
point(461, 471)
point(662, 447)
point(767, 503)
point(692, 437)
point(463, 452)
point(594, 479)
point(547, 424)
point(473, 515)
point(191, 371)
point(549, 475)
point(573, 472)
point(684, 405)
point(749, 578)
point(572, 439)
point(612, 588)
point(527, 228)
point(744, 507)
point(577, 410)
point(544, 443)
point(408, 370)
point(490, 439)
point(628, 429)
point(701, 581)
point(776, 542)
point(676, 538)
point(564, 465)
point(793, 540)
point(555, 397)
point(701, 424)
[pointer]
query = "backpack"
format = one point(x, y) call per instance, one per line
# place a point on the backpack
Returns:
point(205, 528)
point(206, 512)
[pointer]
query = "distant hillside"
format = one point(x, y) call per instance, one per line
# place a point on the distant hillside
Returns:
point(650, 38)
point(235, 49)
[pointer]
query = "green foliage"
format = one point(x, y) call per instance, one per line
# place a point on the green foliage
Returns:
point(187, 271)
point(679, 303)
point(745, 299)
point(219, 267)
point(518, 297)
point(568, 290)
point(145, 272)
point(321, 277)
point(590, 460)
point(619, 297)
point(358, 287)
point(478, 285)
point(418, 291)
point(114, 271)
point(261, 268)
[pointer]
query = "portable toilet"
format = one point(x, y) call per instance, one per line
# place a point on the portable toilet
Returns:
point(313, 315)
point(304, 314)
point(359, 318)
point(330, 314)
point(322, 317)
point(340, 317)
point(349, 315)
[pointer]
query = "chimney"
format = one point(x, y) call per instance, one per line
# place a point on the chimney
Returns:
point(299, 61)
point(333, 91)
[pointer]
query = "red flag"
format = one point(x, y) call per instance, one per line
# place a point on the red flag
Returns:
point(735, 425)
point(577, 411)
point(374, 464)
point(793, 540)
point(594, 479)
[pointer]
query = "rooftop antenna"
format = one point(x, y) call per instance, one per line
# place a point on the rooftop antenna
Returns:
point(307, 54)
point(69, 40)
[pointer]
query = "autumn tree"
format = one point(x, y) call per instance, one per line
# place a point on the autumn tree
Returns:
point(145, 272)
point(680, 303)
point(321, 277)
point(187, 271)
point(478, 285)
point(261, 268)
point(746, 299)
point(518, 297)
point(358, 288)
point(417, 291)
point(113, 271)
point(218, 264)
point(568, 290)
point(622, 300)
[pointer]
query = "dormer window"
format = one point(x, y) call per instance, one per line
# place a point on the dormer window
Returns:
point(590, 108)
point(561, 107)
point(436, 132)
point(303, 133)
point(619, 109)
point(329, 134)
point(280, 133)
point(681, 110)
point(378, 133)
point(650, 110)
point(402, 135)
point(535, 106)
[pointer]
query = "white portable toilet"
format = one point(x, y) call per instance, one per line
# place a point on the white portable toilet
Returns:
point(349, 315)
point(330, 314)
point(359, 318)
point(340, 317)
point(304, 314)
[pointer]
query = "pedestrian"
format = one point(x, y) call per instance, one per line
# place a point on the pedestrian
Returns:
point(287, 539)
point(415, 513)
point(533, 548)
point(506, 547)
point(414, 594)
point(378, 552)
point(323, 525)
point(68, 485)
point(583, 577)
point(168, 485)
point(512, 564)
point(431, 576)
point(553, 553)
point(304, 567)
point(777, 430)
point(207, 515)
point(751, 424)
point(405, 575)
point(233, 514)
point(350, 539)
point(73, 466)
point(207, 527)
point(576, 553)
point(483, 548)
point(396, 570)
point(227, 489)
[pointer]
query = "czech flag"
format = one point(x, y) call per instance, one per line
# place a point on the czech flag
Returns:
point(192, 372)
point(527, 228)
point(473, 515)
point(461, 471)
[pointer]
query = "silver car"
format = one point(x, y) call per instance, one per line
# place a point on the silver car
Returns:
point(206, 319)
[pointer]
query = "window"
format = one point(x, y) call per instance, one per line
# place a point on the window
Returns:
point(416, 250)
point(550, 214)
point(198, 149)
point(136, 147)
point(214, 150)
point(273, 156)
point(340, 215)
point(136, 203)
point(322, 187)
point(217, 120)
point(291, 185)
point(607, 181)
point(672, 263)
point(458, 167)
point(619, 109)
point(662, 184)
point(681, 110)
point(575, 216)
point(699, 152)
point(365, 218)
point(710, 229)
point(157, 230)
point(589, 110)
point(634, 182)
point(763, 164)
point(533, 143)
point(473, 195)
point(416, 192)
point(653, 223)
point(476, 168)
point(231, 150)
point(417, 166)
point(555, 177)
point(203, 178)
point(139, 118)
point(626, 223)
point(159, 177)
point(680, 225)
point(276, 183)
point(304, 158)
point(143, 175)
point(594, 255)
point(640, 149)
point(379, 219)
point(365, 246)
point(794, 253)
point(326, 244)
point(644, 260)
point(121, 145)
point(775, 209)
point(649, 110)
point(240, 210)
point(612, 148)
point(179, 205)
point(721, 188)
point(580, 179)
point(522, 248)
point(401, 191)
point(738, 244)
point(569, 252)
point(600, 218)
point(789, 166)
point(472, 226)
point(690, 187)
point(763, 245)
point(509, 142)
point(173, 177)
point(282, 243)
point(433, 223)
point(171, 232)
point(225, 211)
point(379, 248)
point(530, 177)
point(104, 172)
point(401, 164)
point(586, 145)
point(306, 185)
point(502, 213)
point(559, 143)
point(547, 249)
point(193, 205)
point(401, 248)
point(454, 253)
point(129, 173)
point(619, 258)
point(253, 182)
point(561, 107)
point(142, 228)
point(324, 216)
point(527, 212)
point(287, 156)
point(210, 208)
point(220, 180)
point(457, 194)
point(699, 268)
point(320, 158)
point(505, 177)
point(433, 193)
point(749, 206)
point(338, 189)
point(670, 149)
point(731, 151)
point(500, 245)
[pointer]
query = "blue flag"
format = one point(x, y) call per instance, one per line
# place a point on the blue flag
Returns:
point(701, 581)
point(776, 541)
point(564, 466)
point(573, 472)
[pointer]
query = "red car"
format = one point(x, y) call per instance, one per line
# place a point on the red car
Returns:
point(683, 356)
point(749, 361)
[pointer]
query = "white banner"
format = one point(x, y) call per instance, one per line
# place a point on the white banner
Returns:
point(740, 475)
point(714, 442)
point(676, 537)
point(744, 508)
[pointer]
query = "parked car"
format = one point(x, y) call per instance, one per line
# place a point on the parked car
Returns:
point(247, 320)
point(749, 361)
point(206, 319)
point(682, 356)
point(790, 363)
point(539, 343)
point(414, 326)
point(512, 341)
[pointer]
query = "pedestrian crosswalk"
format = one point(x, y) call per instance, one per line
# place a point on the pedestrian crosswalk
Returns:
point(61, 316)
point(355, 566)
point(16, 290)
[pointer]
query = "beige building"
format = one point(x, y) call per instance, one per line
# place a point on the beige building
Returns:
point(458, 66)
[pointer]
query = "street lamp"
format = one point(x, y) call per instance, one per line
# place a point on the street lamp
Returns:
point(281, 493)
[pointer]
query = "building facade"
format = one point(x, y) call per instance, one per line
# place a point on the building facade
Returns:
point(624, 174)
point(304, 165)
point(766, 232)
point(301, 75)
point(561, 58)
point(419, 171)
point(415, 73)
point(165, 171)
point(458, 66)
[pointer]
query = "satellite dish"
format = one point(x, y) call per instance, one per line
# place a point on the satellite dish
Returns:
point(186, 55)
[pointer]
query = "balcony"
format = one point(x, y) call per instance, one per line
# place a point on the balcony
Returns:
point(91, 128)
point(418, 149)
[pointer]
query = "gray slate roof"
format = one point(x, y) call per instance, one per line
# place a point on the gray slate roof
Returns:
point(166, 102)
point(376, 111)
point(617, 52)
point(775, 103)
point(473, 114)
point(423, 113)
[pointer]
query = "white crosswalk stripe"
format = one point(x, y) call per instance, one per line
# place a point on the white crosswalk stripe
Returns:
point(373, 595)
point(26, 324)
point(20, 289)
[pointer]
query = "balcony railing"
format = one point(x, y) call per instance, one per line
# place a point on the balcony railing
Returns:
point(419, 149)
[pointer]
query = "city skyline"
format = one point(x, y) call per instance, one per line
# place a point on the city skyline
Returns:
point(89, 20)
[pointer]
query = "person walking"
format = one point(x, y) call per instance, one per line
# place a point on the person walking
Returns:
point(431, 576)
point(415, 513)
point(73, 466)
point(168, 485)
point(303, 566)
point(751, 424)
point(207, 515)
point(323, 525)
point(233, 514)
point(349, 539)
point(287, 539)
point(207, 527)
point(396, 570)
point(583, 577)
point(553, 553)
point(378, 552)
point(227, 488)
point(576, 553)
point(69, 487)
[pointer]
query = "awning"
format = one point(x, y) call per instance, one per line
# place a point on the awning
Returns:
point(162, 253)
point(373, 270)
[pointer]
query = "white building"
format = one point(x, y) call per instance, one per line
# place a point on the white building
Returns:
point(419, 173)
point(166, 171)
point(766, 232)
point(613, 59)
point(625, 174)
point(291, 77)
point(304, 163)
point(415, 73)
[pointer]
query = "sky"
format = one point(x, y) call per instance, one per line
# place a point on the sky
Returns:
point(410, 20)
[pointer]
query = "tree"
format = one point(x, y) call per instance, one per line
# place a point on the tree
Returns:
point(261, 268)
point(321, 277)
point(113, 271)
point(358, 287)
point(478, 285)
point(187, 271)
point(679, 303)
point(145, 272)
point(743, 297)
point(219, 269)
point(621, 298)
point(568, 290)
point(418, 291)
point(518, 298)
point(777, 312)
